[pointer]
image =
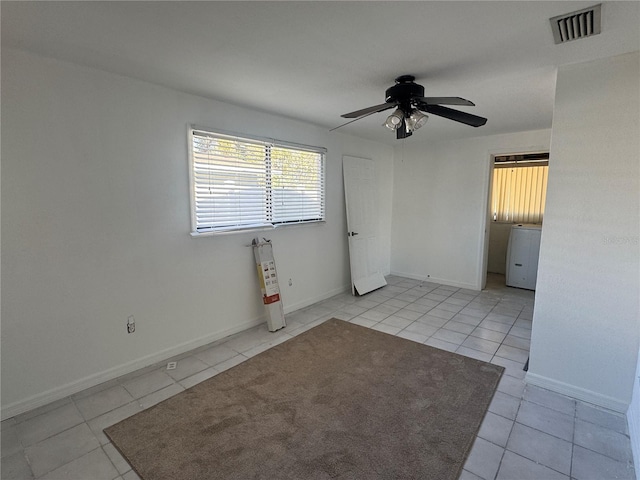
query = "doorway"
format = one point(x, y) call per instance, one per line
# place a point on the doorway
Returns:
point(516, 195)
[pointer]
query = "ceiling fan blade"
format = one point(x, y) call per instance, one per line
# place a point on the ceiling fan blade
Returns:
point(445, 101)
point(366, 111)
point(455, 115)
point(351, 121)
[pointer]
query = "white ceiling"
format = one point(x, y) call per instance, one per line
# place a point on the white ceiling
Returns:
point(314, 61)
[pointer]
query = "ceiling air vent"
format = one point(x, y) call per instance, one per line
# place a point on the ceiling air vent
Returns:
point(576, 25)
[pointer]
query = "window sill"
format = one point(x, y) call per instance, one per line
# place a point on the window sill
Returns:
point(217, 233)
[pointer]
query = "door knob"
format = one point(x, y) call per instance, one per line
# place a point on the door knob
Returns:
point(352, 234)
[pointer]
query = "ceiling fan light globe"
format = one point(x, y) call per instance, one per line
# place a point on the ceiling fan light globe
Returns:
point(390, 125)
point(417, 119)
point(394, 120)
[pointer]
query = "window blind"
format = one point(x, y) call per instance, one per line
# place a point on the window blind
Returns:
point(240, 183)
point(519, 193)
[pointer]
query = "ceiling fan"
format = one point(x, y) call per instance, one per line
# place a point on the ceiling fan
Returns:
point(410, 103)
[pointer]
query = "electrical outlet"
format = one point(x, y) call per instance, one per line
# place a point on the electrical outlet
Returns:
point(290, 282)
point(131, 324)
point(172, 365)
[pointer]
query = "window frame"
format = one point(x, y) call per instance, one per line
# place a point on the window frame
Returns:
point(270, 143)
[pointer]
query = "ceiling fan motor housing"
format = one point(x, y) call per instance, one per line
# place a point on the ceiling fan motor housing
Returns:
point(404, 91)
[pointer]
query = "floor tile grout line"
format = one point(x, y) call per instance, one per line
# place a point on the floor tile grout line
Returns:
point(536, 462)
point(602, 454)
point(504, 450)
point(25, 447)
point(540, 431)
point(112, 462)
point(99, 447)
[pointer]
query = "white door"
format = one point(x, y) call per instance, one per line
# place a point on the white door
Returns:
point(362, 224)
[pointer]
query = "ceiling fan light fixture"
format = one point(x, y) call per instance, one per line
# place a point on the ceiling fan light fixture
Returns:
point(416, 120)
point(407, 97)
point(394, 120)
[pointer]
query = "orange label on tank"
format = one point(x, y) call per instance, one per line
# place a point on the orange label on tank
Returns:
point(271, 299)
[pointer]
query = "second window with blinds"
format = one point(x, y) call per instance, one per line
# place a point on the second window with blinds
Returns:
point(240, 183)
point(519, 188)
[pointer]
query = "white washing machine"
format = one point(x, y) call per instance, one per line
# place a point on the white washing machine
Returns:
point(522, 256)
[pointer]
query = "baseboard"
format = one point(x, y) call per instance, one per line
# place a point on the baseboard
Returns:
point(578, 393)
point(442, 281)
point(71, 388)
point(310, 301)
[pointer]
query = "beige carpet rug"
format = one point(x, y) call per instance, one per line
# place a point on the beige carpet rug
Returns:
point(338, 401)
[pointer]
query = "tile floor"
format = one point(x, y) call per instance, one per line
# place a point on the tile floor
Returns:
point(528, 432)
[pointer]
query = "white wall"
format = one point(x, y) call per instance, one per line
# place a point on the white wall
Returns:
point(440, 205)
point(585, 325)
point(498, 245)
point(96, 222)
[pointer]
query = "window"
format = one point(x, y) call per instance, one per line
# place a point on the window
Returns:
point(519, 188)
point(243, 183)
